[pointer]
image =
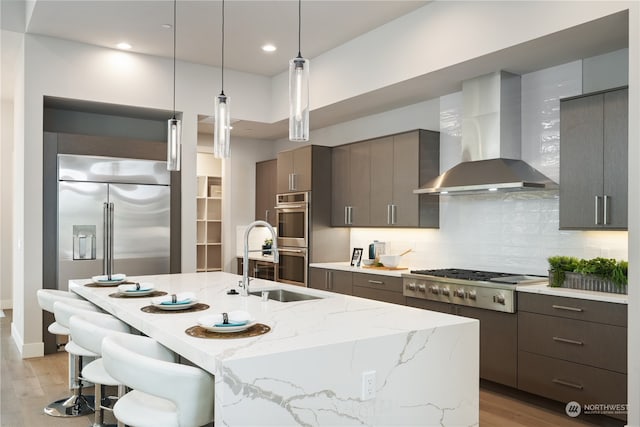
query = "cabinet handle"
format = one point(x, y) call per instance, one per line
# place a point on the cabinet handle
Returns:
point(346, 215)
point(568, 341)
point(567, 383)
point(350, 215)
point(330, 283)
point(394, 219)
point(605, 208)
point(564, 307)
point(597, 213)
point(375, 282)
point(266, 215)
point(326, 279)
point(388, 214)
point(292, 186)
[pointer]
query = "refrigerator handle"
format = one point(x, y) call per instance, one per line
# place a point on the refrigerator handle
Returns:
point(105, 238)
point(111, 208)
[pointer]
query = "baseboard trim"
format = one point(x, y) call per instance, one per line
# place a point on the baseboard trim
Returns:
point(27, 351)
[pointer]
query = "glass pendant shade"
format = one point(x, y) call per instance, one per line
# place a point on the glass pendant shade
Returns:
point(299, 99)
point(174, 135)
point(222, 129)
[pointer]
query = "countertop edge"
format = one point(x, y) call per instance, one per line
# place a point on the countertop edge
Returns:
point(545, 289)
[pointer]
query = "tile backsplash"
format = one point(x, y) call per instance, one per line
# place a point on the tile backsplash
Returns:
point(510, 232)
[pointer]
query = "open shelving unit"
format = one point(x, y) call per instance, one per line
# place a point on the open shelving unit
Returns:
point(209, 217)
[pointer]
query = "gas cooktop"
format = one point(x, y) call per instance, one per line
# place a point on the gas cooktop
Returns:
point(479, 276)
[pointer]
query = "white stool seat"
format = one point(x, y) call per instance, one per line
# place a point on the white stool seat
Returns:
point(77, 350)
point(57, 329)
point(94, 372)
point(144, 410)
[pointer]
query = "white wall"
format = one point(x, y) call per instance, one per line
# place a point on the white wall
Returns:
point(6, 203)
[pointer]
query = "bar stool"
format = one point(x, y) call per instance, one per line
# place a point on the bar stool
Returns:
point(46, 299)
point(88, 330)
point(78, 403)
point(164, 393)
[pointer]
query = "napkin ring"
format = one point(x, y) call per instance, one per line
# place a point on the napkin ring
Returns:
point(137, 286)
point(225, 319)
point(174, 298)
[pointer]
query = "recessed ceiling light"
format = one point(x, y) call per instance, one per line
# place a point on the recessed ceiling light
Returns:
point(269, 47)
point(167, 26)
point(124, 46)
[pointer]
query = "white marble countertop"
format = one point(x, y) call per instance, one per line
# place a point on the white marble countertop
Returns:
point(544, 288)
point(308, 369)
point(346, 266)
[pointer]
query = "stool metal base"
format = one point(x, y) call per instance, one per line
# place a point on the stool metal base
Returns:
point(74, 406)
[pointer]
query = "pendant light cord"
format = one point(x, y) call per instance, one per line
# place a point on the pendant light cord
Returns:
point(175, 2)
point(222, 84)
point(299, 25)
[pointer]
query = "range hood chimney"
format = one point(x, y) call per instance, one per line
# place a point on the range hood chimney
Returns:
point(491, 137)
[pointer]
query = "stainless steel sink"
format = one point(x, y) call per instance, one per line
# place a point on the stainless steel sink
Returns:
point(283, 295)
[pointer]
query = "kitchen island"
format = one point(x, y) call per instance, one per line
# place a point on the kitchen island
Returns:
point(310, 368)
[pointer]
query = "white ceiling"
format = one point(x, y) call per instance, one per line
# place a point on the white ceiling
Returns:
point(325, 25)
point(248, 25)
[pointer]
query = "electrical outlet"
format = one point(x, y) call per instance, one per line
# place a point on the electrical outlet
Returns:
point(368, 385)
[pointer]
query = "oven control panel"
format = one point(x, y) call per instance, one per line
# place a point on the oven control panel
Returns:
point(462, 294)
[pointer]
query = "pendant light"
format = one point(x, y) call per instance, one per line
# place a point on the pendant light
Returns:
point(174, 126)
point(299, 93)
point(221, 131)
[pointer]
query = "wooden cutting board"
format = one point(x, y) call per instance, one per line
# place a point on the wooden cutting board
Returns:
point(373, 267)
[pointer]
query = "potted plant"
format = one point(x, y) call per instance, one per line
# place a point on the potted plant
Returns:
point(596, 274)
point(266, 246)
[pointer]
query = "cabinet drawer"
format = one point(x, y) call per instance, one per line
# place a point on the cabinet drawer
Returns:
point(379, 295)
point(593, 344)
point(566, 381)
point(574, 308)
point(377, 281)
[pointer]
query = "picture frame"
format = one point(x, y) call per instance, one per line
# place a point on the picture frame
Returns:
point(356, 257)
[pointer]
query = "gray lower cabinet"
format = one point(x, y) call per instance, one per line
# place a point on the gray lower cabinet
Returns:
point(572, 350)
point(593, 161)
point(330, 280)
point(378, 287)
point(498, 339)
point(373, 181)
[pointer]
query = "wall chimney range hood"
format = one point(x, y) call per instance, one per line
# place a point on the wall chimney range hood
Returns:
point(490, 142)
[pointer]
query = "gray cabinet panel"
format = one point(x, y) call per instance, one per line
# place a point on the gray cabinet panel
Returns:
point(379, 295)
point(285, 169)
point(340, 183)
point(360, 189)
point(294, 170)
point(594, 161)
point(266, 190)
point(573, 308)
point(616, 157)
point(381, 181)
point(406, 169)
point(581, 169)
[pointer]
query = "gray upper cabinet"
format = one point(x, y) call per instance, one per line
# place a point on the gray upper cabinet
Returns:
point(351, 184)
point(373, 181)
point(266, 182)
point(593, 161)
point(294, 170)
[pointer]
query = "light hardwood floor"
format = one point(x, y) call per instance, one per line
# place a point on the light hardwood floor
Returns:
point(28, 385)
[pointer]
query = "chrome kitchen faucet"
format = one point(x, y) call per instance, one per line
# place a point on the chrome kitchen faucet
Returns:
point(245, 257)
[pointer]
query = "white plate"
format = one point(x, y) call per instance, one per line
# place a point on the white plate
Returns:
point(139, 293)
point(170, 307)
point(115, 279)
point(225, 329)
point(131, 291)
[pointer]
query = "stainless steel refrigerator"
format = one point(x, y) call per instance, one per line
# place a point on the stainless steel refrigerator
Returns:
point(113, 217)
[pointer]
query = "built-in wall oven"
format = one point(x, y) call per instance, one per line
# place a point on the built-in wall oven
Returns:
point(292, 210)
point(293, 237)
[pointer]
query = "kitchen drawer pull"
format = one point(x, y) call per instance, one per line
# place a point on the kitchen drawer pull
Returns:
point(376, 282)
point(567, 383)
point(568, 341)
point(564, 307)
